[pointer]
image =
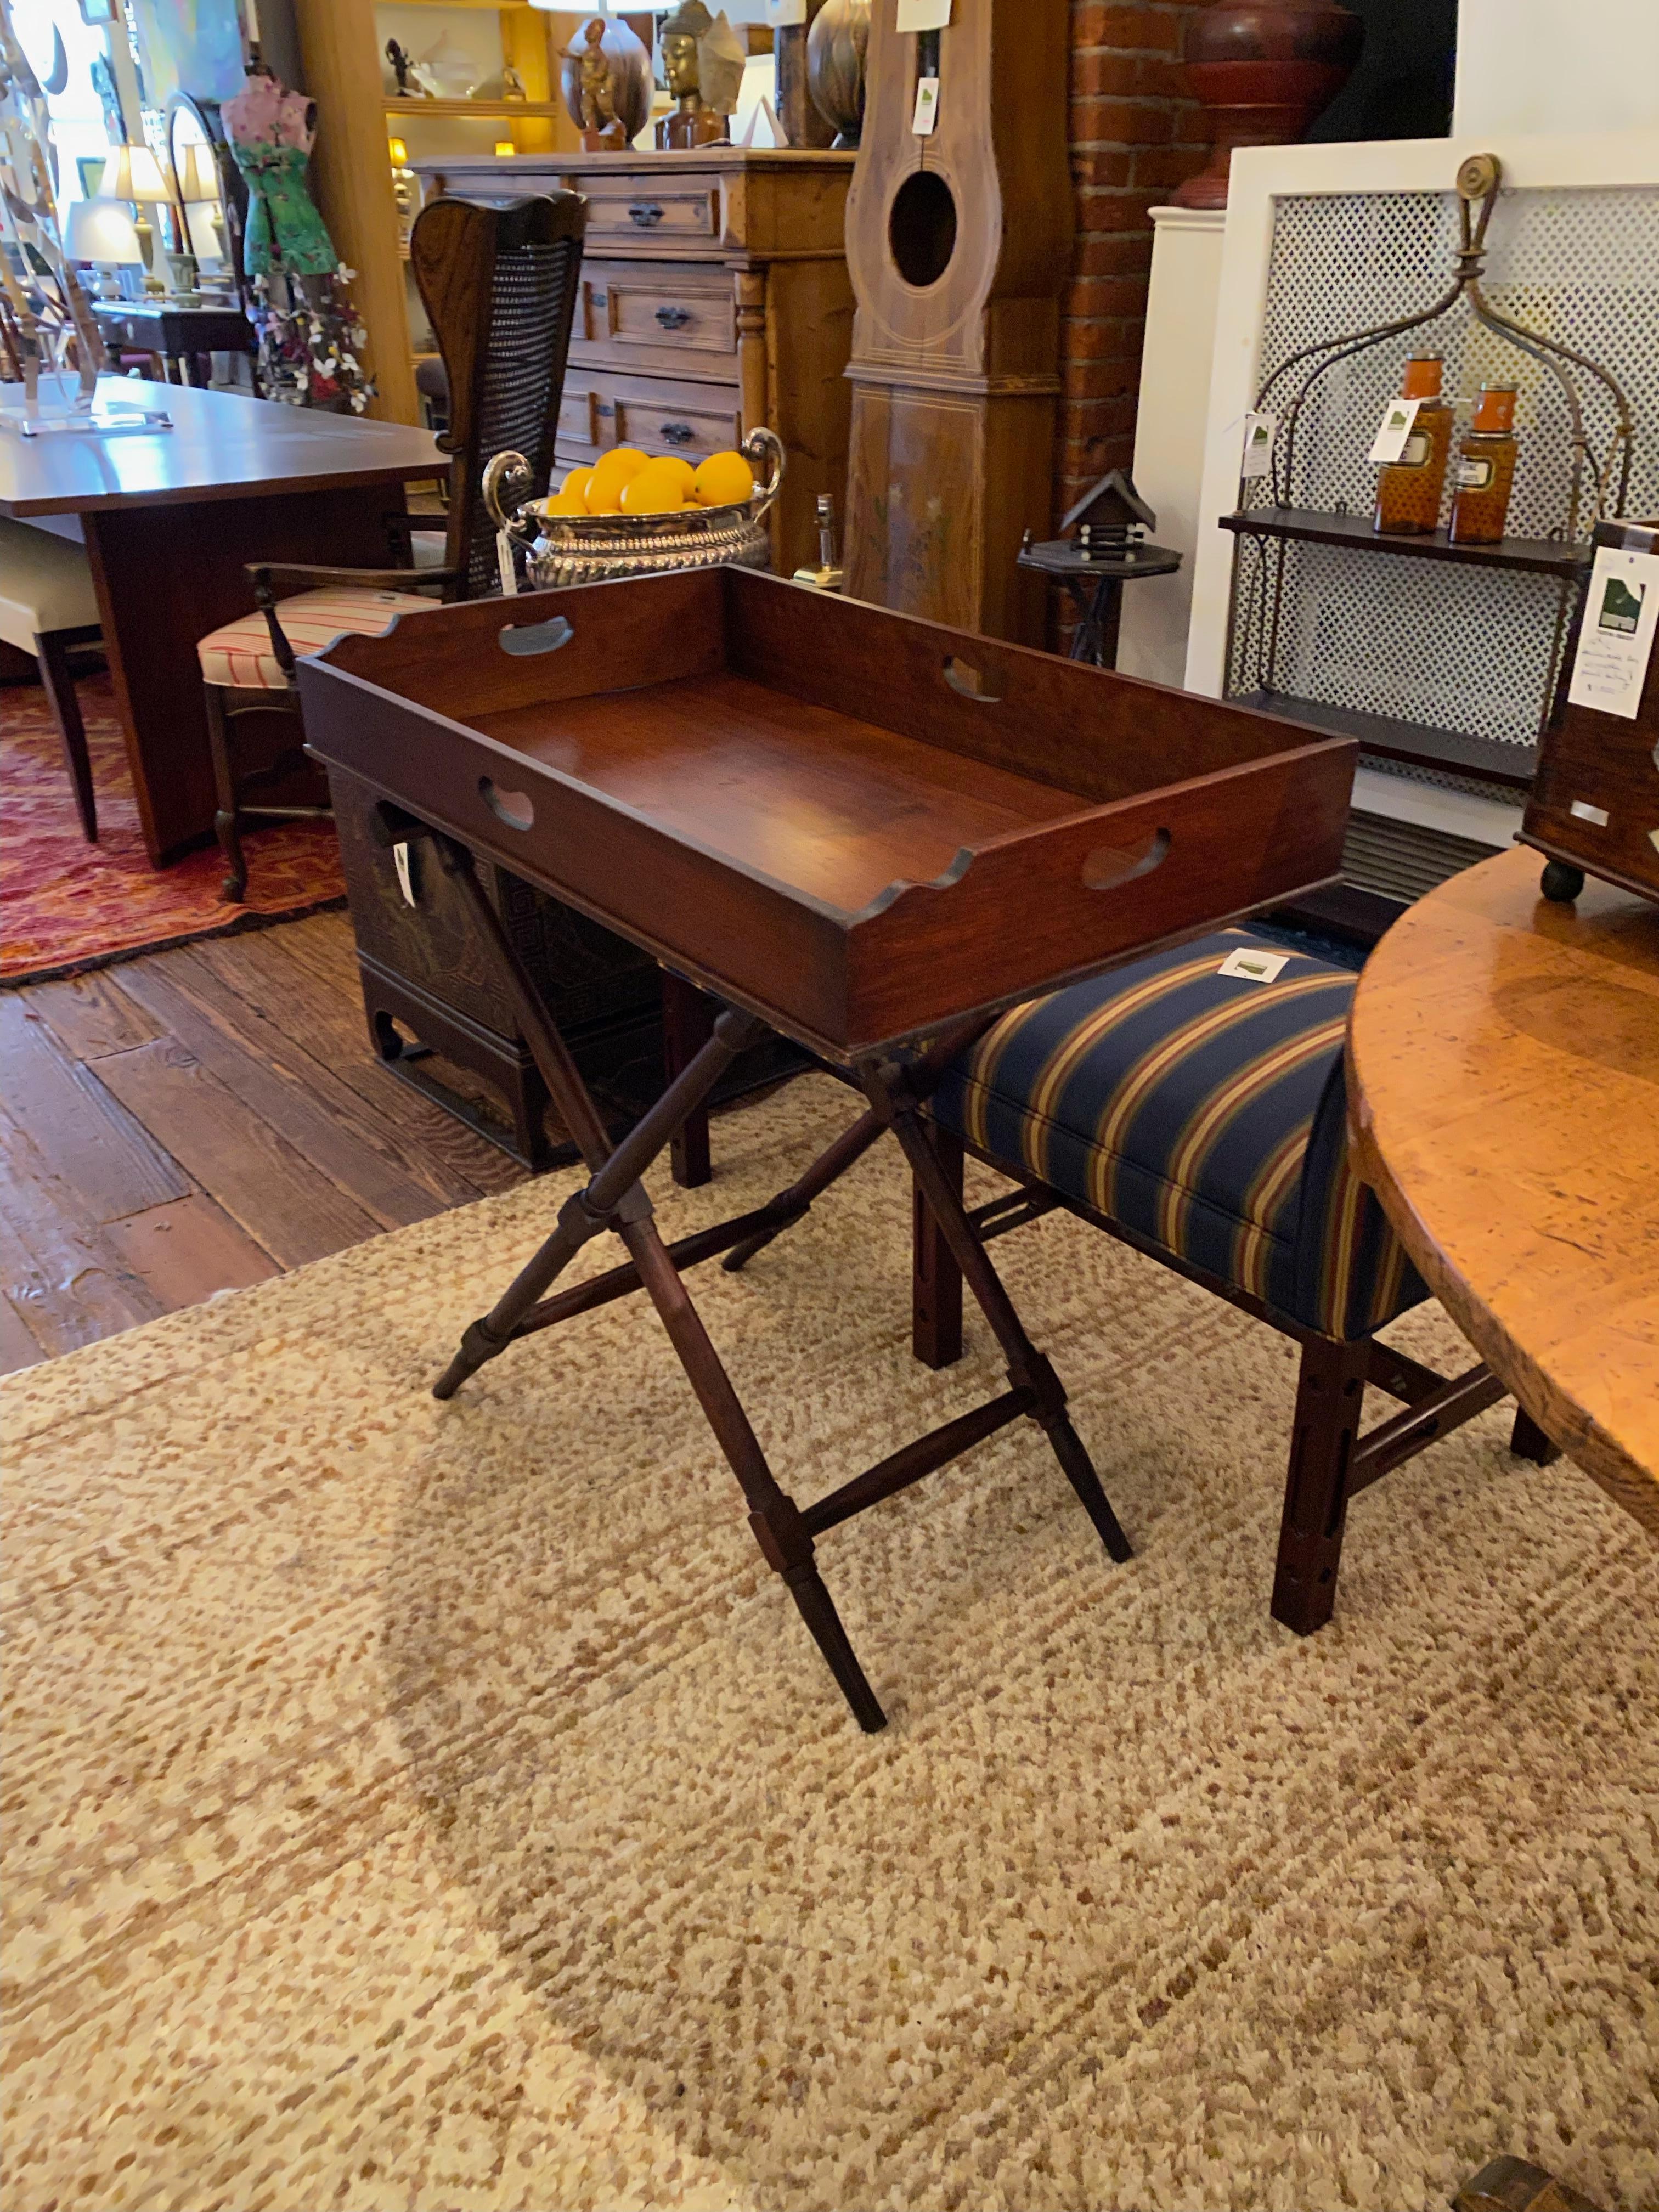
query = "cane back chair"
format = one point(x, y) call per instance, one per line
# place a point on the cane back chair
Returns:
point(500, 288)
point(1200, 1113)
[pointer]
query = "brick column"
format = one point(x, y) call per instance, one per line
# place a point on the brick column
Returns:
point(1135, 137)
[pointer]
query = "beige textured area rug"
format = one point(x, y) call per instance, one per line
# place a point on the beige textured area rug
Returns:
point(428, 1806)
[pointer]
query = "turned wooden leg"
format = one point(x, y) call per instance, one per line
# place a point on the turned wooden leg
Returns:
point(1330, 1393)
point(226, 827)
point(52, 651)
point(1529, 1441)
point(688, 1022)
point(935, 1277)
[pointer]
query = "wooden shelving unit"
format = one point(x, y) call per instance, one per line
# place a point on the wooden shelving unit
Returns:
point(478, 111)
point(342, 47)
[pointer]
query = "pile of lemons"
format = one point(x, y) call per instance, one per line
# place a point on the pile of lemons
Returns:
point(625, 481)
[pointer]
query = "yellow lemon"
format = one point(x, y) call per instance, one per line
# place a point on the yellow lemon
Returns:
point(576, 482)
point(611, 472)
point(681, 470)
point(654, 491)
point(567, 503)
point(725, 480)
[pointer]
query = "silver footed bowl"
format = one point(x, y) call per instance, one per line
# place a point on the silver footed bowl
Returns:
point(593, 549)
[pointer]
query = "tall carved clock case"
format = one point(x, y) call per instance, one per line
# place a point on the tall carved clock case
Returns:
point(959, 247)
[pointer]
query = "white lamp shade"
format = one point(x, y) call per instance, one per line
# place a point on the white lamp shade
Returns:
point(102, 230)
point(198, 172)
point(132, 172)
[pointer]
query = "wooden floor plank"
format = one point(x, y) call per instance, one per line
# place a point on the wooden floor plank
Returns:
point(184, 1252)
point(84, 1135)
point(18, 1347)
point(91, 1015)
point(263, 1183)
point(324, 943)
point(296, 1094)
point(58, 1269)
point(260, 968)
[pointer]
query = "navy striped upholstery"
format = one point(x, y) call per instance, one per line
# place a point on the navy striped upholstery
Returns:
point(1204, 1112)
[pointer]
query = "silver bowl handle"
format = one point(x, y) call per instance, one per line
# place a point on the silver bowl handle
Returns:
point(764, 447)
point(508, 482)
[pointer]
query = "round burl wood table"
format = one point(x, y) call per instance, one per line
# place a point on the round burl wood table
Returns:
point(1503, 1076)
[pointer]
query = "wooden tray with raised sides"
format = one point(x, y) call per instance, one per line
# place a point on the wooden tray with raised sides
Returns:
point(853, 824)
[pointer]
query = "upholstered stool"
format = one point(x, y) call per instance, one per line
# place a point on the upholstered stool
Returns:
point(48, 607)
point(248, 665)
point(1200, 1115)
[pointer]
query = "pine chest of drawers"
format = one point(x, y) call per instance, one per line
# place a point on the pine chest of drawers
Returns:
point(715, 298)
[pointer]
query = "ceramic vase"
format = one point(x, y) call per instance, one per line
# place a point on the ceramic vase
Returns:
point(835, 50)
point(1263, 68)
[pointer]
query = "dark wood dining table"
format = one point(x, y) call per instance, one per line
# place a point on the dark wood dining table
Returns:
point(169, 517)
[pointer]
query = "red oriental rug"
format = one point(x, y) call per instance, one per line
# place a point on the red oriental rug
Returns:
point(66, 905)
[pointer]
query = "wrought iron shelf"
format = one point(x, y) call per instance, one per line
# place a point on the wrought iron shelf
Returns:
point(1416, 744)
point(1540, 557)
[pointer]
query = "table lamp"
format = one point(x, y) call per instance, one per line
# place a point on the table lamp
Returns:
point(102, 232)
point(134, 175)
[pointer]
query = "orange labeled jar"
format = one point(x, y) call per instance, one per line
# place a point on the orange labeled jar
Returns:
point(1485, 469)
point(1408, 489)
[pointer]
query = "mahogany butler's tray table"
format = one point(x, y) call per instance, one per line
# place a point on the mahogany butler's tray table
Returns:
point(865, 832)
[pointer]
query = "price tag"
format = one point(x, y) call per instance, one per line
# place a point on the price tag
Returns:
point(1621, 612)
point(923, 14)
point(404, 860)
point(781, 14)
point(1397, 422)
point(1260, 431)
point(926, 114)
point(1251, 966)
point(504, 562)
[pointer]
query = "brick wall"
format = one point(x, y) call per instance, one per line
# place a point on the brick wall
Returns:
point(1135, 136)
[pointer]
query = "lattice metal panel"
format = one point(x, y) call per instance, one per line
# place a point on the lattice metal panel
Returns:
point(1458, 649)
point(1467, 650)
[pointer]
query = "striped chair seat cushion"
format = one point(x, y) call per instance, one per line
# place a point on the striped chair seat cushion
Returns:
point(239, 654)
point(1203, 1112)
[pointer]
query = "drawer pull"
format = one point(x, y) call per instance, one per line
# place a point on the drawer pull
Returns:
point(1108, 865)
point(524, 639)
point(646, 213)
point(970, 683)
point(512, 807)
point(675, 318)
point(678, 433)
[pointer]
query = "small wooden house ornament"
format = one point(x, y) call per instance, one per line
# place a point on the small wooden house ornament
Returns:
point(1109, 519)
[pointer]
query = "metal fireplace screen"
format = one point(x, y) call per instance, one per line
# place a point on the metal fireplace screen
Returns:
point(1467, 650)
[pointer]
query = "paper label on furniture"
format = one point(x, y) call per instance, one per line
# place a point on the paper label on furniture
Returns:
point(1583, 811)
point(923, 14)
point(781, 14)
point(402, 860)
point(1396, 428)
point(1615, 645)
point(926, 114)
point(1250, 966)
point(1260, 431)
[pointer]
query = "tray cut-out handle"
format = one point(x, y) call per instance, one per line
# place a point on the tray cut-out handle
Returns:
point(971, 683)
point(511, 807)
point(524, 638)
point(1108, 865)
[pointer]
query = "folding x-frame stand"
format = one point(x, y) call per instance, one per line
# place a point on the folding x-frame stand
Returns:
point(614, 1199)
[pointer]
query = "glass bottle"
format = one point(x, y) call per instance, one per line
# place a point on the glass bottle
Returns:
point(1408, 489)
point(1485, 469)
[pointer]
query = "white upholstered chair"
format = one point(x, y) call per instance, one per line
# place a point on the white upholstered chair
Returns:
point(47, 608)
